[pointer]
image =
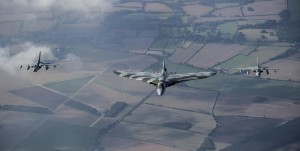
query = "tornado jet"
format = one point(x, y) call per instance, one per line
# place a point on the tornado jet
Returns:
point(258, 69)
point(163, 79)
point(36, 67)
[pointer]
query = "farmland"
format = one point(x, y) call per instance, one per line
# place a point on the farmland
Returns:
point(240, 84)
point(247, 106)
point(157, 7)
point(181, 55)
point(59, 135)
point(196, 10)
point(206, 57)
point(50, 99)
point(186, 99)
point(265, 7)
point(265, 53)
point(83, 105)
point(150, 114)
point(228, 12)
point(69, 86)
point(133, 145)
point(247, 126)
point(228, 29)
point(158, 135)
point(257, 35)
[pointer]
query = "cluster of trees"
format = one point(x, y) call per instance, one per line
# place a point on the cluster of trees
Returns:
point(267, 24)
point(287, 29)
point(178, 125)
point(115, 109)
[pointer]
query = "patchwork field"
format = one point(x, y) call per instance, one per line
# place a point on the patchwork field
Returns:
point(256, 34)
point(265, 53)
point(264, 7)
point(73, 116)
point(196, 10)
point(159, 135)
point(186, 99)
point(157, 7)
point(49, 99)
point(259, 17)
point(246, 85)
point(235, 129)
point(10, 99)
point(181, 55)
point(289, 70)
point(228, 29)
point(130, 4)
point(108, 89)
point(68, 87)
point(9, 82)
point(225, 5)
point(228, 12)
point(137, 45)
point(15, 126)
point(58, 136)
point(232, 104)
point(207, 57)
point(124, 144)
point(157, 115)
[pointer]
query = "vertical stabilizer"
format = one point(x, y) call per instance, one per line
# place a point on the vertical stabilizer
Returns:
point(39, 57)
point(257, 60)
point(164, 66)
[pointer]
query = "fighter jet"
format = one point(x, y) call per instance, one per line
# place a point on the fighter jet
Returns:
point(163, 79)
point(39, 65)
point(258, 69)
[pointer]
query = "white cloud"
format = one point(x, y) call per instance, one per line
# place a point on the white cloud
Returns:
point(85, 6)
point(28, 55)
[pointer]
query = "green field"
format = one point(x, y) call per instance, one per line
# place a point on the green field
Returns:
point(54, 136)
point(240, 84)
point(228, 29)
point(68, 86)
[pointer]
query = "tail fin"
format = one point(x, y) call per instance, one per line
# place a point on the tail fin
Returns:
point(39, 57)
point(257, 60)
point(164, 66)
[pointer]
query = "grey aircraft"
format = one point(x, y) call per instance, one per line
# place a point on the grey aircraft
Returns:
point(258, 69)
point(40, 64)
point(163, 79)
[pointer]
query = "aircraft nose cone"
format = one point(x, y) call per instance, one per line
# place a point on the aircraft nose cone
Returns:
point(159, 92)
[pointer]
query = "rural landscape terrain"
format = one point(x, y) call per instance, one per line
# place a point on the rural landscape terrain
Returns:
point(81, 105)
